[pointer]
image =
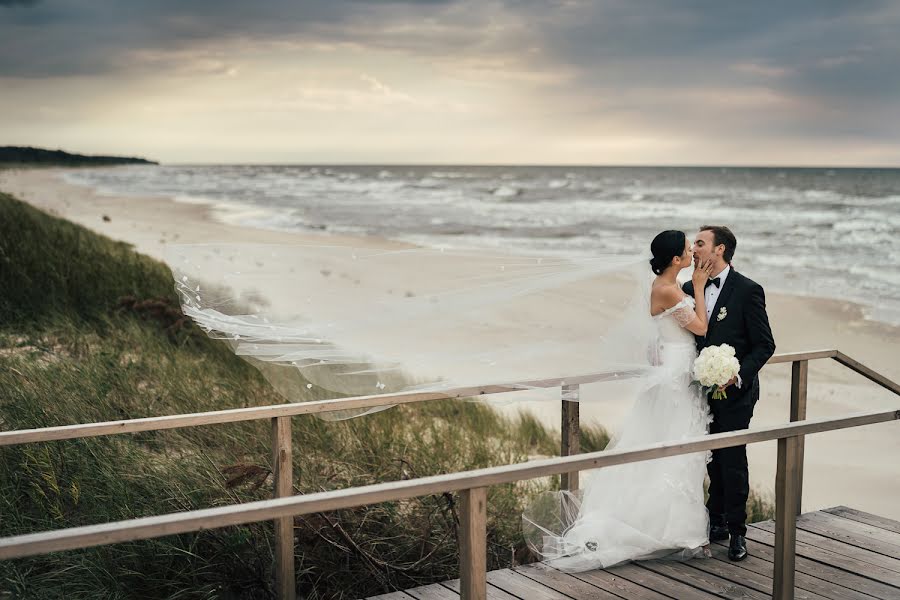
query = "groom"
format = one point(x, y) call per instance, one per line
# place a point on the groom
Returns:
point(736, 313)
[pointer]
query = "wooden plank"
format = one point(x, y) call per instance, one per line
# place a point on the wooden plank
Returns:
point(756, 573)
point(392, 596)
point(264, 510)
point(852, 532)
point(234, 415)
point(519, 585)
point(705, 581)
point(837, 546)
point(493, 593)
point(822, 578)
point(564, 583)
point(665, 585)
point(873, 531)
point(799, 377)
point(435, 591)
point(283, 482)
point(809, 556)
point(619, 586)
point(786, 502)
point(864, 517)
point(473, 544)
point(571, 432)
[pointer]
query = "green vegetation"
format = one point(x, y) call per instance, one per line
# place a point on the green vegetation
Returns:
point(92, 331)
point(72, 350)
point(26, 156)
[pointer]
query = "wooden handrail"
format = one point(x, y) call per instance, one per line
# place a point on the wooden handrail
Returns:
point(263, 510)
point(234, 415)
point(867, 372)
point(785, 357)
point(472, 485)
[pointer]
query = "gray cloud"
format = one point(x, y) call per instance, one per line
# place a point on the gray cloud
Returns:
point(812, 66)
point(58, 38)
point(630, 40)
point(807, 68)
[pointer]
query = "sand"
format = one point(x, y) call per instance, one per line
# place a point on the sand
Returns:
point(855, 467)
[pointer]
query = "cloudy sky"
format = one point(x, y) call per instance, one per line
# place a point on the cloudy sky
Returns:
point(803, 82)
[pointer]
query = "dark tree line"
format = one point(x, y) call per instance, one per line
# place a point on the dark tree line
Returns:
point(28, 155)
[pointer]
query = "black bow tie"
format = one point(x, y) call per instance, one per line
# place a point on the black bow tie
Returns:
point(710, 282)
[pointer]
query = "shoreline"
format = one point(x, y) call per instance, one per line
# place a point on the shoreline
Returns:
point(799, 323)
point(237, 212)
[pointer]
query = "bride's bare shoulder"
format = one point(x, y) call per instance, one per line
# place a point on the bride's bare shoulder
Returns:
point(663, 297)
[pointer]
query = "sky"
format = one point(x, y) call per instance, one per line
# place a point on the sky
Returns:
point(617, 82)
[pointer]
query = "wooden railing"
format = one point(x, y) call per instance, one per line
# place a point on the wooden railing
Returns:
point(472, 485)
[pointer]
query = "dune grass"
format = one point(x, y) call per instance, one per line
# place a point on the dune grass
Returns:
point(91, 331)
point(73, 376)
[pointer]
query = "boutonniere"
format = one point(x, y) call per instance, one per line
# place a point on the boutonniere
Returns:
point(723, 312)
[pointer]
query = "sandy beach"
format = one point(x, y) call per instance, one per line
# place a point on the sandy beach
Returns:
point(855, 467)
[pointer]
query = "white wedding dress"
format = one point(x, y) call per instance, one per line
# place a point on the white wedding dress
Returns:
point(639, 510)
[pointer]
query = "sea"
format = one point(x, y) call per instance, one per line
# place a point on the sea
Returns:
point(832, 233)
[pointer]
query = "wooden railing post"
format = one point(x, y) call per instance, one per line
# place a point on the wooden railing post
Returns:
point(473, 544)
point(571, 433)
point(799, 376)
point(282, 474)
point(787, 498)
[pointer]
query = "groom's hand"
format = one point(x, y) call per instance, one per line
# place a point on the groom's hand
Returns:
point(731, 382)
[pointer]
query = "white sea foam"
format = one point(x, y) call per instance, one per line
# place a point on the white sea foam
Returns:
point(505, 191)
point(187, 199)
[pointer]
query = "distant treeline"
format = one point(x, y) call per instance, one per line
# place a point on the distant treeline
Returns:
point(27, 155)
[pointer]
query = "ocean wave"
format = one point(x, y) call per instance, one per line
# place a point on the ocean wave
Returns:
point(452, 175)
point(887, 274)
point(427, 183)
point(506, 192)
point(802, 223)
point(867, 225)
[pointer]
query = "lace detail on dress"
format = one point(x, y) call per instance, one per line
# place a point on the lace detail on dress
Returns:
point(685, 314)
point(683, 311)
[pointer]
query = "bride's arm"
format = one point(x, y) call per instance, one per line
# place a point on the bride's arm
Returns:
point(699, 326)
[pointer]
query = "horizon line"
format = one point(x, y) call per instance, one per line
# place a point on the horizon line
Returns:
point(525, 165)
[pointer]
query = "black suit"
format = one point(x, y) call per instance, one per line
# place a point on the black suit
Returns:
point(745, 327)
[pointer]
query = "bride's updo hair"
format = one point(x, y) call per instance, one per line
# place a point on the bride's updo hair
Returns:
point(664, 247)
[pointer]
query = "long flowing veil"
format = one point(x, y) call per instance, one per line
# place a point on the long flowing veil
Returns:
point(331, 321)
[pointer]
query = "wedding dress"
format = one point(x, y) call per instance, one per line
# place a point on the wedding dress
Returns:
point(639, 510)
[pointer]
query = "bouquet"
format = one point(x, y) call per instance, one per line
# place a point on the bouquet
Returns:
point(715, 366)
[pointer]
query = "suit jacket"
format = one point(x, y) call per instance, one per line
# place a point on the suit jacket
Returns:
point(745, 327)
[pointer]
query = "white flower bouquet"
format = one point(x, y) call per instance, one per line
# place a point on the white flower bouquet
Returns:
point(716, 366)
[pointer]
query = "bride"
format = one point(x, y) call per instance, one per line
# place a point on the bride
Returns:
point(653, 508)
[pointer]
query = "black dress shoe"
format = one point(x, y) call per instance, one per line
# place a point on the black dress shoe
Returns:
point(737, 548)
point(718, 533)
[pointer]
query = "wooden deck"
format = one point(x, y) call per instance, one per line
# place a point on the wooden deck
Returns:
point(842, 554)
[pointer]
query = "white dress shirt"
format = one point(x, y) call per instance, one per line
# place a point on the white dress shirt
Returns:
point(711, 294)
